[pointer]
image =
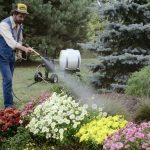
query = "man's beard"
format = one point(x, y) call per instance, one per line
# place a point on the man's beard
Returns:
point(19, 22)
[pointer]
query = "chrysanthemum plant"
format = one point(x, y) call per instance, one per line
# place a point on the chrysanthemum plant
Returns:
point(9, 121)
point(96, 131)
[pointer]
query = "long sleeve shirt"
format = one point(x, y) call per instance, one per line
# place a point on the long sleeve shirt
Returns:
point(5, 32)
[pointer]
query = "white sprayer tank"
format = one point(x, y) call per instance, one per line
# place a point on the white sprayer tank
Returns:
point(70, 59)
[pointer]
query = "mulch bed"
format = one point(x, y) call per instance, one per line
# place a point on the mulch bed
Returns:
point(130, 102)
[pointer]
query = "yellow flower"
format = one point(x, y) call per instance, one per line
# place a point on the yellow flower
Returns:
point(98, 130)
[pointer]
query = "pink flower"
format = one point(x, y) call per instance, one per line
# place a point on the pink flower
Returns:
point(144, 145)
point(132, 139)
point(29, 107)
point(127, 146)
point(139, 135)
point(119, 145)
point(117, 137)
point(132, 135)
point(148, 136)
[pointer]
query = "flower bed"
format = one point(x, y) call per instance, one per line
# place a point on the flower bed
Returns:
point(57, 120)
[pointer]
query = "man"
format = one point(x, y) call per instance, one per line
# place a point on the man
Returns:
point(10, 42)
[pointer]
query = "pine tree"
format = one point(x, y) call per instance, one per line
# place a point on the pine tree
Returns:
point(56, 24)
point(124, 45)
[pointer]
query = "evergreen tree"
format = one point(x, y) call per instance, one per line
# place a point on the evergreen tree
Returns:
point(124, 45)
point(5, 7)
point(56, 24)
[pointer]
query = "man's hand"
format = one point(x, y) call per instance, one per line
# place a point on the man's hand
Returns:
point(29, 50)
point(25, 49)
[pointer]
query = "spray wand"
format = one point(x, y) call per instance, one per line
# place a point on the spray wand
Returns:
point(36, 53)
point(49, 64)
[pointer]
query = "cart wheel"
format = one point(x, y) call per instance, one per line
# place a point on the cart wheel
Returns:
point(54, 78)
point(38, 77)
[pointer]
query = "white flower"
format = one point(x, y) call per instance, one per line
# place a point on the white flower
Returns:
point(94, 106)
point(53, 124)
point(48, 135)
point(67, 121)
point(100, 114)
point(85, 106)
point(45, 129)
point(100, 109)
point(104, 114)
point(76, 112)
point(35, 131)
point(55, 130)
point(55, 116)
point(61, 138)
point(72, 116)
point(60, 121)
point(75, 126)
point(77, 118)
point(61, 131)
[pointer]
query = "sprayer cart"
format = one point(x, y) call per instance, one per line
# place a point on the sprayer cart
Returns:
point(49, 68)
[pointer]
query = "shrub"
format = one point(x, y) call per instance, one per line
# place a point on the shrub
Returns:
point(139, 83)
point(57, 88)
point(57, 118)
point(96, 131)
point(143, 110)
point(33, 146)
point(131, 137)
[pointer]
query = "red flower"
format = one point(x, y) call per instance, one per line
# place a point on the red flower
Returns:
point(9, 118)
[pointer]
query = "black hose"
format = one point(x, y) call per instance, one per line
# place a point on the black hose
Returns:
point(15, 96)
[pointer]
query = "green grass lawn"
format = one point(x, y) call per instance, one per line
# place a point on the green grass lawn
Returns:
point(24, 76)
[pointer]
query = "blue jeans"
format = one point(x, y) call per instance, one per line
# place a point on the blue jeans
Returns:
point(7, 69)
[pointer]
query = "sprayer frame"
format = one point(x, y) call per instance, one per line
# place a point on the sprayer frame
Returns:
point(38, 76)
